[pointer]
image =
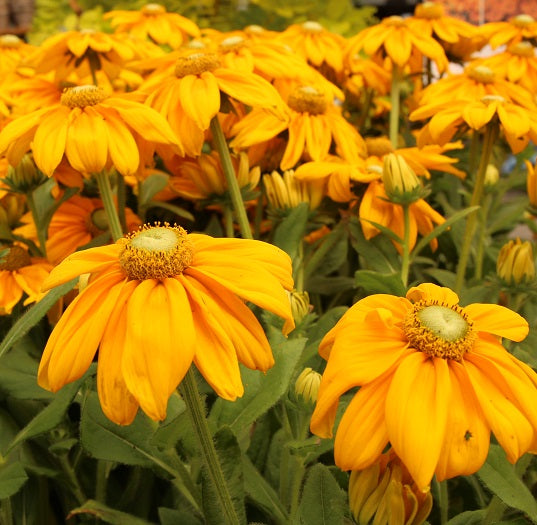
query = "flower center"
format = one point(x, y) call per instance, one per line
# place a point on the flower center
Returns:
point(97, 222)
point(378, 146)
point(482, 74)
point(524, 49)
point(306, 99)
point(522, 20)
point(439, 330)
point(153, 9)
point(254, 29)
point(395, 21)
point(489, 99)
point(232, 42)
point(312, 27)
point(429, 10)
point(82, 96)
point(156, 252)
point(16, 258)
point(11, 41)
point(196, 64)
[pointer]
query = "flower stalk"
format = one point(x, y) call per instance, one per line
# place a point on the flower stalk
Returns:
point(395, 103)
point(107, 196)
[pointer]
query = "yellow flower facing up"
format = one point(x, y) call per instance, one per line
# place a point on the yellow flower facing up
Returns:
point(515, 264)
point(385, 494)
point(20, 274)
point(93, 130)
point(434, 381)
point(153, 22)
point(157, 301)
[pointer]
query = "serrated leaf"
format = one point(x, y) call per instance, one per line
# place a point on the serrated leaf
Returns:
point(33, 315)
point(289, 233)
point(323, 502)
point(262, 391)
point(12, 478)
point(373, 282)
point(500, 478)
point(107, 514)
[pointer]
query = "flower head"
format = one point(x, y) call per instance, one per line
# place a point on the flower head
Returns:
point(158, 300)
point(434, 381)
point(515, 264)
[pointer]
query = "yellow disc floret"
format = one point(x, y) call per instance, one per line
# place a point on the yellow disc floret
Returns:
point(480, 73)
point(196, 64)
point(232, 42)
point(10, 41)
point(82, 96)
point(439, 330)
point(153, 9)
point(156, 252)
point(429, 10)
point(307, 99)
point(16, 258)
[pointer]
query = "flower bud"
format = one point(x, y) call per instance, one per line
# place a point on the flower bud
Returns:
point(286, 192)
point(492, 175)
point(300, 305)
point(400, 181)
point(25, 176)
point(307, 386)
point(385, 493)
point(515, 263)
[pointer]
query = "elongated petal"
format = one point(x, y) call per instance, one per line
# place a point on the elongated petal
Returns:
point(467, 438)
point(200, 98)
point(74, 340)
point(362, 434)
point(159, 344)
point(19, 127)
point(416, 414)
point(122, 147)
point(497, 320)
point(295, 145)
point(49, 140)
point(11, 292)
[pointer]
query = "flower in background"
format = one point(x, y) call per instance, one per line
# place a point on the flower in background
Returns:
point(515, 264)
point(158, 300)
point(434, 381)
point(285, 192)
point(516, 29)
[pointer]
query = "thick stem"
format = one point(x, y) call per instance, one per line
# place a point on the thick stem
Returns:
point(107, 197)
point(121, 200)
point(405, 264)
point(41, 233)
point(73, 483)
point(395, 102)
point(196, 411)
point(491, 132)
point(231, 178)
point(228, 221)
point(480, 256)
point(495, 511)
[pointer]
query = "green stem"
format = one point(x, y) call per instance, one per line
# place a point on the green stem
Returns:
point(228, 221)
point(103, 181)
point(443, 500)
point(41, 232)
point(480, 256)
point(196, 411)
point(405, 264)
point(259, 209)
point(299, 281)
point(394, 110)
point(73, 483)
point(364, 110)
point(491, 132)
point(101, 480)
point(495, 511)
point(326, 245)
point(121, 200)
point(6, 512)
point(231, 178)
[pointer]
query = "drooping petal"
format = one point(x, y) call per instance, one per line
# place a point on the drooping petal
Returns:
point(200, 98)
point(416, 413)
point(121, 145)
point(159, 343)
point(49, 140)
point(497, 320)
point(11, 292)
point(295, 145)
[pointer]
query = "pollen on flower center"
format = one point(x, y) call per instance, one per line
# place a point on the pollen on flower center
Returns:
point(439, 330)
point(312, 27)
point(156, 252)
point(153, 9)
point(395, 21)
point(196, 64)
point(82, 96)
point(306, 99)
point(16, 258)
point(378, 146)
point(482, 74)
point(429, 10)
point(97, 222)
point(232, 42)
point(489, 99)
point(524, 49)
point(11, 41)
point(522, 20)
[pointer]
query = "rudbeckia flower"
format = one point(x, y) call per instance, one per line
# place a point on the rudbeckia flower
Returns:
point(93, 130)
point(20, 274)
point(154, 22)
point(518, 28)
point(434, 381)
point(157, 301)
point(314, 124)
point(12, 51)
point(376, 207)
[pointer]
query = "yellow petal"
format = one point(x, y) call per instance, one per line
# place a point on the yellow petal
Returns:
point(497, 320)
point(121, 146)
point(200, 98)
point(11, 292)
point(432, 292)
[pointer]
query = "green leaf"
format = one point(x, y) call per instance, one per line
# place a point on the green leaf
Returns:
point(262, 391)
point(424, 241)
point(443, 277)
point(107, 514)
point(33, 315)
point(261, 493)
point(229, 454)
point(176, 517)
point(323, 502)
point(471, 517)
point(12, 478)
point(150, 187)
point(180, 212)
point(500, 478)
point(373, 282)
point(289, 233)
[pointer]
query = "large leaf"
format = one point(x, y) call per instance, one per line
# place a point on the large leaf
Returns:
point(176, 516)
point(262, 391)
point(12, 478)
point(471, 517)
point(374, 282)
point(323, 502)
point(108, 515)
point(289, 233)
point(500, 478)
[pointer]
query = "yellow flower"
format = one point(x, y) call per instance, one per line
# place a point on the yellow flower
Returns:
point(12, 51)
point(20, 274)
point(314, 124)
point(94, 131)
point(386, 494)
point(157, 301)
point(394, 37)
point(375, 207)
point(285, 191)
point(434, 381)
point(516, 29)
point(154, 22)
point(190, 98)
point(401, 183)
point(515, 264)
point(531, 184)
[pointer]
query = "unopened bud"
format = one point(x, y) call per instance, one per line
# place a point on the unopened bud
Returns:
point(25, 176)
point(492, 175)
point(400, 181)
point(515, 263)
point(307, 386)
point(300, 304)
